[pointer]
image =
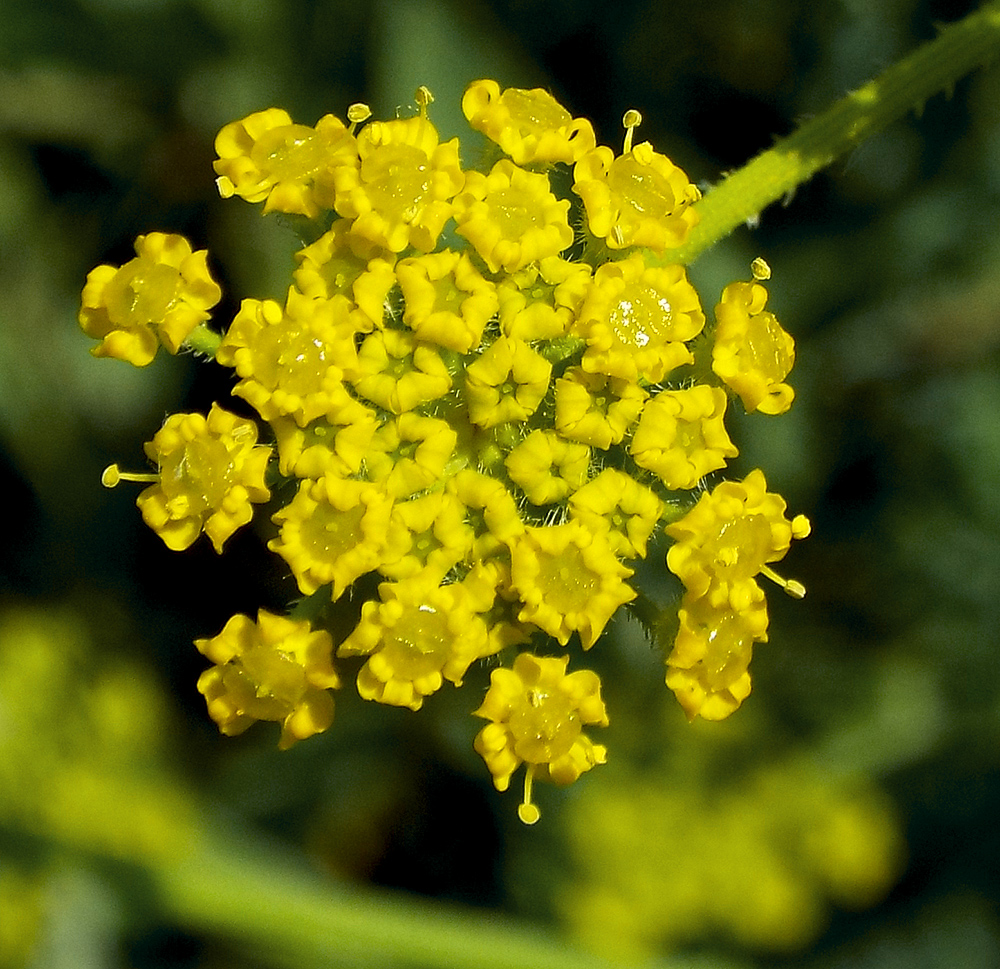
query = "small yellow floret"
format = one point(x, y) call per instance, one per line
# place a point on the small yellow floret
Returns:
point(400, 195)
point(731, 534)
point(447, 301)
point(707, 668)
point(398, 373)
point(682, 436)
point(541, 301)
point(289, 167)
point(569, 580)
point(752, 353)
point(546, 467)
point(511, 217)
point(419, 635)
point(537, 713)
point(293, 360)
point(530, 126)
point(616, 502)
point(596, 409)
point(409, 453)
point(640, 198)
point(333, 531)
point(210, 471)
point(507, 383)
point(637, 318)
point(154, 300)
point(340, 263)
point(275, 669)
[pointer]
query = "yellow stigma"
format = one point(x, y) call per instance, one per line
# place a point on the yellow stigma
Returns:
point(760, 269)
point(113, 474)
point(631, 120)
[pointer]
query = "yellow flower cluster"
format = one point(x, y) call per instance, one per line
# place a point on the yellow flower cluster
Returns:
point(665, 860)
point(490, 392)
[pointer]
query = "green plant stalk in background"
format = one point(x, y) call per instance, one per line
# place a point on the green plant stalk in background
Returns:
point(299, 918)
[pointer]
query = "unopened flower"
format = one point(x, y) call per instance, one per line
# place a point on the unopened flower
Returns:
point(595, 408)
point(446, 300)
point(506, 383)
point(274, 669)
point(410, 453)
point(398, 373)
point(616, 503)
point(537, 713)
point(340, 263)
point(541, 301)
point(547, 468)
point(154, 300)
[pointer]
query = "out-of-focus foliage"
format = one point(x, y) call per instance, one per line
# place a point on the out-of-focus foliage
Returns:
point(875, 711)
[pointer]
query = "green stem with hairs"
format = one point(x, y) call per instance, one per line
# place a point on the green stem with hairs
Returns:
point(906, 85)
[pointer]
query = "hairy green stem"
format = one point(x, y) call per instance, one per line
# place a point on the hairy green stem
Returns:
point(905, 86)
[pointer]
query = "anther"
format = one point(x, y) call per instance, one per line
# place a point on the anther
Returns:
point(113, 474)
point(760, 269)
point(423, 98)
point(526, 811)
point(357, 113)
point(791, 587)
point(631, 121)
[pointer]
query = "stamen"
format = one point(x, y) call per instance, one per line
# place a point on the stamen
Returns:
point(357, 113)
point(791, 587)
point(526, 811)
point(113, 474)
point(423, 98)
point(631, 121)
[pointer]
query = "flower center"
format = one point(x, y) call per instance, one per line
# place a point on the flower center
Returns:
point(740, 546)
point(397, 180)
point(641, 188)
point(765, 347)
point(545, 727)
point(642, 316)
point(330, 533)
point(141, 293)
point(419, 643)
point(289, 153)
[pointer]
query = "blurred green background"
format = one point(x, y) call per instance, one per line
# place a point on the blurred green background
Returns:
point(846, 816)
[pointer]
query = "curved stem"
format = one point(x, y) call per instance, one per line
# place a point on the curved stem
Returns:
point(936, 66)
